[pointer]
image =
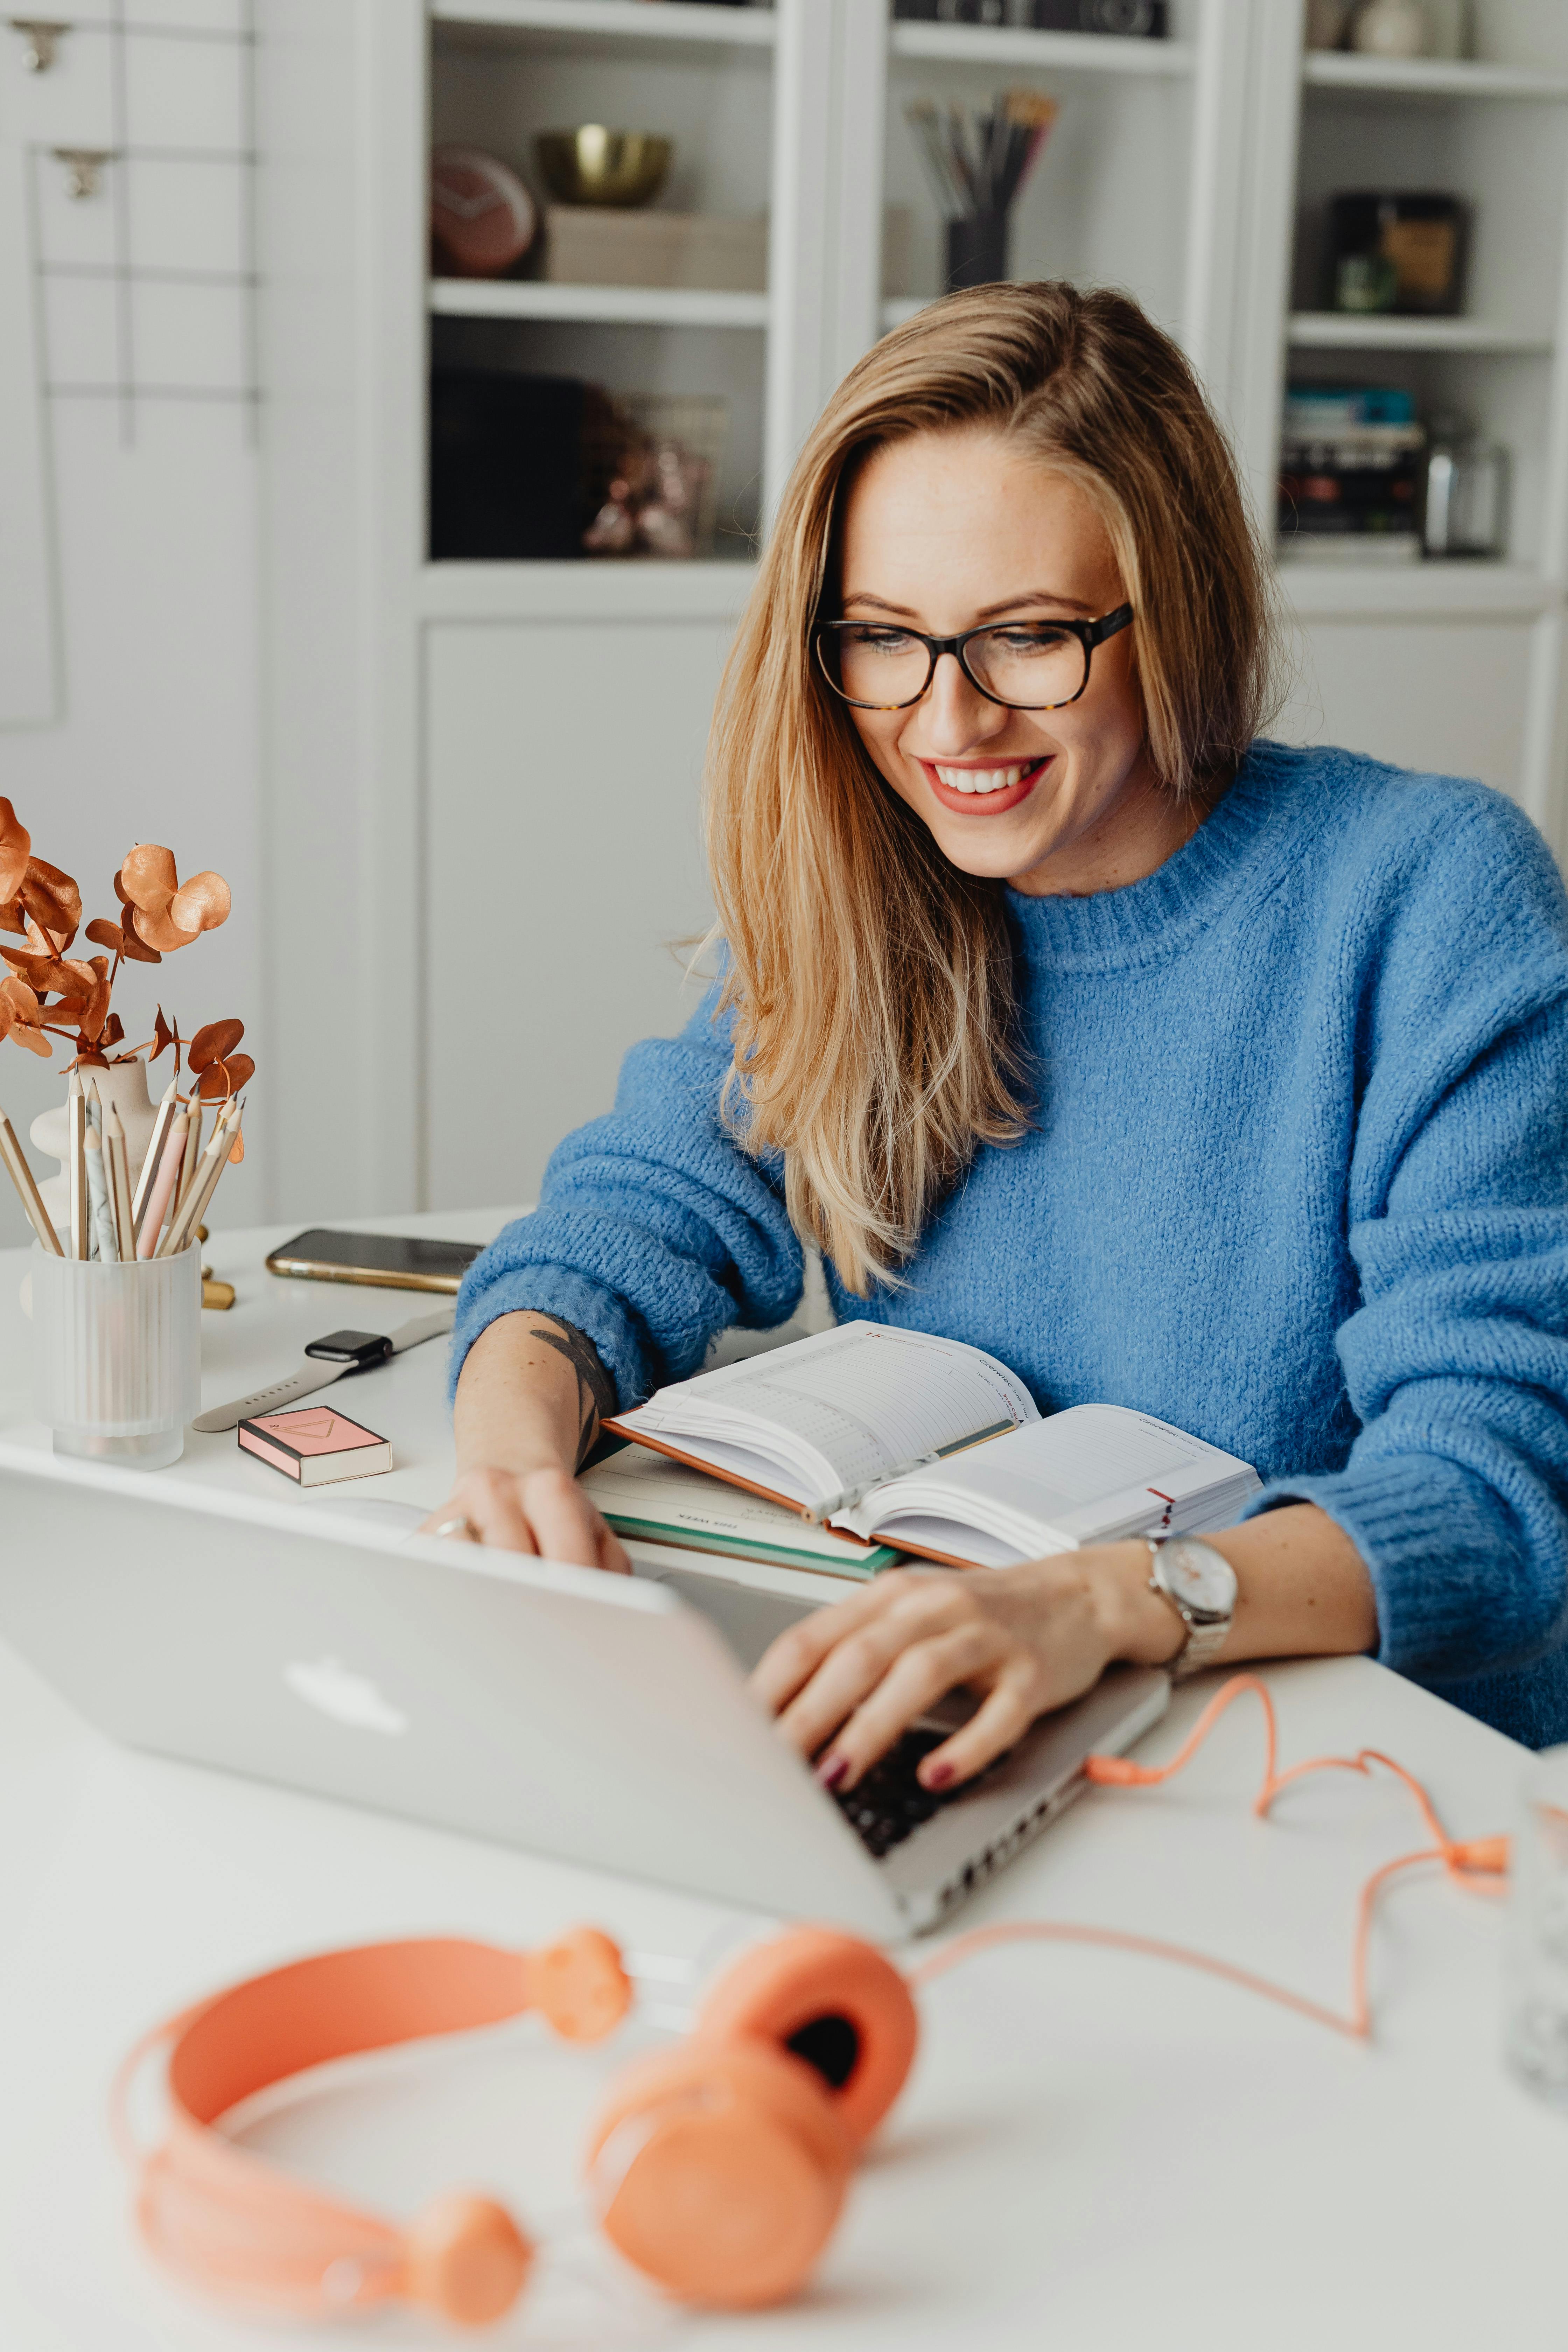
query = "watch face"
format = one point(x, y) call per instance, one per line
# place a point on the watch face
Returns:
point(1199, 1577)
point(349, 1348)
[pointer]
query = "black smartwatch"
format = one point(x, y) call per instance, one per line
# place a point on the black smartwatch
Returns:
point(359, 1350)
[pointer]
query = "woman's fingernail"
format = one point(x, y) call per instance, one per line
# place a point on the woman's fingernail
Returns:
point(832, 1769)
point(936, 1776)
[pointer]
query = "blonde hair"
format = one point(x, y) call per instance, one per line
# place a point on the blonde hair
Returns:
point(869, 982)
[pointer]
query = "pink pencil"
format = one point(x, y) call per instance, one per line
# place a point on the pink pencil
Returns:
point(163, 1183)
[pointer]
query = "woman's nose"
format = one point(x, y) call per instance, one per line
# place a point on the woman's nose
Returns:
point(955, 716)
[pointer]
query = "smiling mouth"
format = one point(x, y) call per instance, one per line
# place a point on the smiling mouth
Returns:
point(983, 787)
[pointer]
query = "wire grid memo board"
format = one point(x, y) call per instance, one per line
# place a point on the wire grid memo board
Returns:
point(139, 120)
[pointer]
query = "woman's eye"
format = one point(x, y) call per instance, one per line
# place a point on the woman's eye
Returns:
point(1030, 641)
point(876, 641)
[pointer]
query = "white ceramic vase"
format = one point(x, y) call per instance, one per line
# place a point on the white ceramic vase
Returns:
point(124, 1084)
point(1392, 28)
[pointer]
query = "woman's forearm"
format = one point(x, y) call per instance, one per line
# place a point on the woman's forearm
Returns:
point(531, 1397)
point(1303, 1592)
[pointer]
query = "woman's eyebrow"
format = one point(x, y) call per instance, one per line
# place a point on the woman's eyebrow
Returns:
point(1008, 603)
point(1036, 596)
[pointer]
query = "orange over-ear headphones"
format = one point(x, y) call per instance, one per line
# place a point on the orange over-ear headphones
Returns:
point(718, 2167)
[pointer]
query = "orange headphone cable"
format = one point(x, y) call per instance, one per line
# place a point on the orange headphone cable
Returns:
point(1480, 1864)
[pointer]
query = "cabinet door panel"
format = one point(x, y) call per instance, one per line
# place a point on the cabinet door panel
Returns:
point(564, 861)
point(1443, 696)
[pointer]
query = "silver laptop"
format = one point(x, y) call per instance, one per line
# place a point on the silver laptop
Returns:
point(602, 1718)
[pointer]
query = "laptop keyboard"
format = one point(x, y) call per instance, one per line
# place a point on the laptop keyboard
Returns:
point(888, 1804)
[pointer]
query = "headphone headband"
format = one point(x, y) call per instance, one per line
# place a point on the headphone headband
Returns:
point(727, 2158)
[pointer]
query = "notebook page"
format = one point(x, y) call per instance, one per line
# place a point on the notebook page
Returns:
point(1089, 1467)
point(863, 1402)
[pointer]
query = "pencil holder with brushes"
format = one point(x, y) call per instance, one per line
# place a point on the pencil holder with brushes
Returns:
point(117, 1354)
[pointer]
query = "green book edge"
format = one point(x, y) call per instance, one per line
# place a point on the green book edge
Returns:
point(777, 1555)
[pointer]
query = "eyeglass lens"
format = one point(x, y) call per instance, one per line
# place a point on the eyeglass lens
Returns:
point(1031, 666)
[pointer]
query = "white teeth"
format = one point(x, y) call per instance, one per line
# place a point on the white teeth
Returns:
point(981, 780)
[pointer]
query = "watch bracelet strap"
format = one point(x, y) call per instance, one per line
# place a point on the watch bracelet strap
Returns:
point(304, 1383)
point(423, 1326)
point(317, 1374)
point(1202, 1646)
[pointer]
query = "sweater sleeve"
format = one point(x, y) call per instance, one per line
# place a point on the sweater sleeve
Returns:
point(1456, 1355)
point(654, 1230)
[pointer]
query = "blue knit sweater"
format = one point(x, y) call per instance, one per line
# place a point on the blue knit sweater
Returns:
point(1297, 1180)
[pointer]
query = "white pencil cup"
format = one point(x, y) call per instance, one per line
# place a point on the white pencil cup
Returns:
point(116, 1355)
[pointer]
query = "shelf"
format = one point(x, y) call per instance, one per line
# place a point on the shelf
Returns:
point(596, 589)
point(1005, 45)
point(1421, 591)
point(1378, 332)
point(637, 20)
point(601, 306)
point(1429, 76)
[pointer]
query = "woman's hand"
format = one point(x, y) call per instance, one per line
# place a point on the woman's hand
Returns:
point(542, 1511)
point(849, 1680)
point(528, 1409)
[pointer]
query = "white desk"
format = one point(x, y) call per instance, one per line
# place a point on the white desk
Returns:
point(1096, 2153)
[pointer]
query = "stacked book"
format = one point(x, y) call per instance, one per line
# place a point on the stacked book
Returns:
point(1350, 469)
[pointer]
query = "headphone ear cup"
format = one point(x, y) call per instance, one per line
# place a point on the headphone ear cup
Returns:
point(720, 2172)
point(835, 2001)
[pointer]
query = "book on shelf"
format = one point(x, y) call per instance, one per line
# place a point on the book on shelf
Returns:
point(1350, 471)
point(930, 1446)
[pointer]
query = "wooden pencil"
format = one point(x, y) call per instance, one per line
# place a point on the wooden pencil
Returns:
point(97, 1194)
point(21, 1175)
point(118, 1164)
point(160, 1126)
point(76, 1133)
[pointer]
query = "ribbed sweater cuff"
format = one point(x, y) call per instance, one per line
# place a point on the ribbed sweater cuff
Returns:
point(1425, 1529)
point(573, 1297)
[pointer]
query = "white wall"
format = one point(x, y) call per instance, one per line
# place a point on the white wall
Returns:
point(155, 735)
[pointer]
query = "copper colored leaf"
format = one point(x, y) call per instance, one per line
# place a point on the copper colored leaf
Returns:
point(53, 899)
point(19, 997)
point(33, 1040)
point(121, 892)
point(133, 949)
point(157, 928)
point(222, 1078)
point(163, 1037)
point(11, 917)
point(105, 934)
point(40, 971)
point(150, 876)
point(201, 904)
point(213, 1042)
point(15, 847)
point(7, 1019)
point(113, 1031)
point(95, 1008)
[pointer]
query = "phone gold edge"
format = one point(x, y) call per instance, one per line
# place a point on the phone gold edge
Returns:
point(317, 1270)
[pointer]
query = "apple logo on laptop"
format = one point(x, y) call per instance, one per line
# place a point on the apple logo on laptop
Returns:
point(336, 1690)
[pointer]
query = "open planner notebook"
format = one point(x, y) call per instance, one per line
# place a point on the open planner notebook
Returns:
point(920, 1444)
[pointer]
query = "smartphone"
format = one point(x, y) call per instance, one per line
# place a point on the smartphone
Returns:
point(394, 1260)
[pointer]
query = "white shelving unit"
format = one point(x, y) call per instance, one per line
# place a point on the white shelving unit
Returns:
point(1337, 330)
point(499, 760)
point(601, 306)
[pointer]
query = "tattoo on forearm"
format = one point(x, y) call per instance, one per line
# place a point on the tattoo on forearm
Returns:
point(596, 1390)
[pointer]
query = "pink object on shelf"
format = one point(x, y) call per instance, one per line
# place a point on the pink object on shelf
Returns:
point(482, 218)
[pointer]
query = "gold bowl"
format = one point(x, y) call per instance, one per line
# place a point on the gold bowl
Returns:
point(591, 165)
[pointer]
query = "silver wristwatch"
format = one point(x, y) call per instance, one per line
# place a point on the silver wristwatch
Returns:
point(1200, 1585)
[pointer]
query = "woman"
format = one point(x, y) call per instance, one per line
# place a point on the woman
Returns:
point(1177, 1069)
